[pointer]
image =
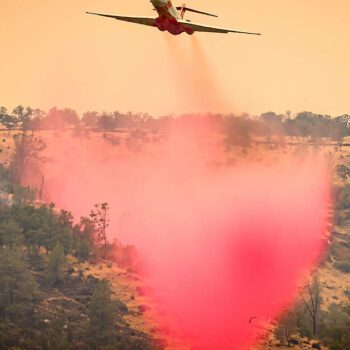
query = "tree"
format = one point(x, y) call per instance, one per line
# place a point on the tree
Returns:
point(47, 228)
point(272, 123)
point(3, 112)
point(27, 148)
point(238, 131)
point(336, 331)
point(5, 174)
point(23, 195)
point(63, 229)
point(343, 172)
point(18, 287)
point(101, 315)
point(341, 128)
point(100, 219)
point(61, 118)
point(10, 233)
point(37, 225)
point(70, 117)
point(9, 121)
point(107, 122)
point(57, 337)
point(304, 123)
point(312, 301)
point(36, 120)
point(343, 197)
point(90, 119)
point(42, 226)
point(287, 326)
point(55, 266)
point(84, 239)
point(23, 116)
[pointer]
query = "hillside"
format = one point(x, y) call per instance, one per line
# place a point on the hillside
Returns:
point(134, 314)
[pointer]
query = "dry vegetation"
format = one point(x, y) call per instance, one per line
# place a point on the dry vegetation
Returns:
point(127, 287)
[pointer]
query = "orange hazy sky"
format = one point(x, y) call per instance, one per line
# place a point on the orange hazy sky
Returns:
point(53, 54)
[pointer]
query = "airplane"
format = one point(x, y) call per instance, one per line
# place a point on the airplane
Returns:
point(171, 19)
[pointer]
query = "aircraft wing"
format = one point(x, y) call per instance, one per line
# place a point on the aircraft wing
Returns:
point(148, 21)
point(204, 28)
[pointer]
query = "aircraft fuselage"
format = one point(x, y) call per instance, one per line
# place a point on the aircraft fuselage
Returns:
point(168, 18)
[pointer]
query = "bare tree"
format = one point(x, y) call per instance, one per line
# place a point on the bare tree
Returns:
point(287, 326)
point(312, 300)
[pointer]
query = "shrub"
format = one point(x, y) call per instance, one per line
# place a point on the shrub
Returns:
point(342, 266)
point(343, 197)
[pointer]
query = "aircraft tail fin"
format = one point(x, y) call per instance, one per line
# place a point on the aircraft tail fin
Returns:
point(183, 9)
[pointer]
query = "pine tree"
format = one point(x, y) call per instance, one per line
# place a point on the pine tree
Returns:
point(57, 337)
point(100, 218)
point(10, 233)
point(55, 266)
point(84, 240)
point(18, 287)
point(101, 315)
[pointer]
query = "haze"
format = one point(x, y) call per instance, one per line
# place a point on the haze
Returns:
point(55, 55)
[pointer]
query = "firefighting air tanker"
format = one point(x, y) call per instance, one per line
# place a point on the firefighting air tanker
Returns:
point(171, 19)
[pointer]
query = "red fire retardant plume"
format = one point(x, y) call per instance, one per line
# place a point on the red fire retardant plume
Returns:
point(219, 244)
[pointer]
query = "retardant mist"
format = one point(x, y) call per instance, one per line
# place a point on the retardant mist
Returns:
point(197, 85)
point(219, 243)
